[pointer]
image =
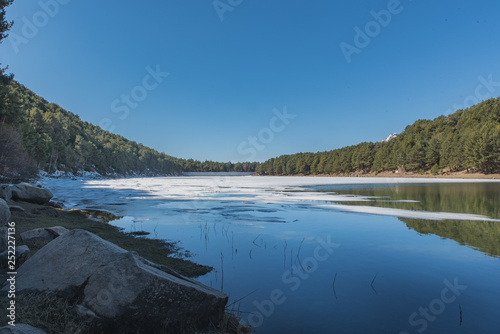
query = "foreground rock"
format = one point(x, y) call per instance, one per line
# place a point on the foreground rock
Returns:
point(28, 193)
point(21, 254)
point(125, 291)
point(5, 192)
point(4, 213)
point(42, 236)
point(3, 238)
point(21, 329)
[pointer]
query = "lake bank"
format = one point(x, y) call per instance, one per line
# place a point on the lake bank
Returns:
point(261, 235)
point(160, 251)
point(58, 314)
point(389, 174)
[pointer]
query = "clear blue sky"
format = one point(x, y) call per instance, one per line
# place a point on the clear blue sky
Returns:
point(226, 76)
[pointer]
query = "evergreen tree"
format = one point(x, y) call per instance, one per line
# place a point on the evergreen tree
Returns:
point(467, 139)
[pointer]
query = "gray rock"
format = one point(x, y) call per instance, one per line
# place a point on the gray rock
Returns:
point(83, 252)
point(4, 213)
point(41, 236)
point(57, 231)
point(5, 192)
point(125, 290)
point(28, 193)
point(21, 254)
point(37, 237)
point(21, 329)
point(3, 238)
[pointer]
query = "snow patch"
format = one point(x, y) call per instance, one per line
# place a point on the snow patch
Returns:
point(267, 191)
point(389, 138)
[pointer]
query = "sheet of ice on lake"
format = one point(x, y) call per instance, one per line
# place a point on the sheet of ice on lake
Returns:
point(203, 194)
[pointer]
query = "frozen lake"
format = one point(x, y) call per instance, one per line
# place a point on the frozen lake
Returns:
point(325, 255)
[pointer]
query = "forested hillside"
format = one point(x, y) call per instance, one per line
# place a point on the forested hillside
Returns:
point(468, 139)
point(38, 135)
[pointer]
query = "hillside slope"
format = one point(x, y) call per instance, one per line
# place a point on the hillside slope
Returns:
point(466, 139)
point(38, 135)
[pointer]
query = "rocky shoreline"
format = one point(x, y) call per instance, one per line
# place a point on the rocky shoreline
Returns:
point(66, 261)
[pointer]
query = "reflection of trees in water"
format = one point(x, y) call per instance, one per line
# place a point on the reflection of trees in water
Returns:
point(472, 198)
point(482, 235)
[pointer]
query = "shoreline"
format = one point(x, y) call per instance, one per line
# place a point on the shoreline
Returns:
point(165, 252)
point(411, 175)
point(29, 216)
point(454, 175)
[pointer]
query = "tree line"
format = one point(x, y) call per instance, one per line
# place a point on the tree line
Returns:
point(38, 135)
point(465, 140)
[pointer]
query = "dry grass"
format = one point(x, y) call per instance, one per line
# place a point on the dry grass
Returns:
point(54, 314)
point(57, 315)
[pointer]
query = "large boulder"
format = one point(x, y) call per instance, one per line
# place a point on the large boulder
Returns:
point(4, 213)
point(127, 292)
point(5, 192)
point(28, 193)
point(41, 236)
point(21, 329)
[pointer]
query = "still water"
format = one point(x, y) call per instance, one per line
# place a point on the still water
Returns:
point(326, 255)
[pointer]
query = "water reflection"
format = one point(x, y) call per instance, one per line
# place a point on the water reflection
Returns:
point(264, 248)
point(472, 198)
point(485, 236)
